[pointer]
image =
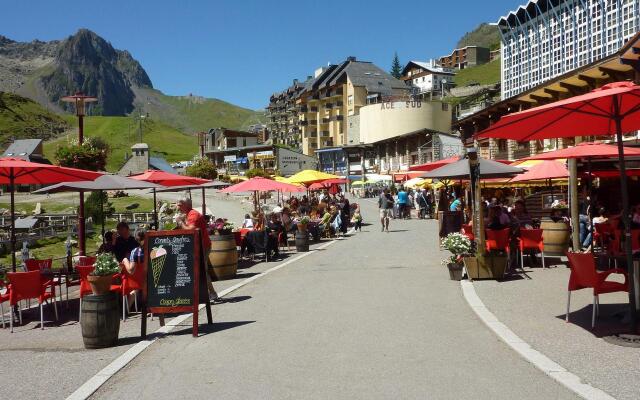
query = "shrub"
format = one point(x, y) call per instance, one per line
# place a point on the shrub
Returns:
point(253, 172)
point(92, 206)
point(202, 168)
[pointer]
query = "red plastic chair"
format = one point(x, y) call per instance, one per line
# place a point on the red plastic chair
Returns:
point(585, 276)
point(497, 239)
point(28, 285)
point(530, 239)
point(603, 233)
point(635, 239)
point(86, 260)
point(83, 261)
point(131, 282)
point(3, 298)
point(43, 265)
point(283, 240)
point(467, 230)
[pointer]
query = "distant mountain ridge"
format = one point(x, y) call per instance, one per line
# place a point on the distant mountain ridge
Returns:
point(47, 71)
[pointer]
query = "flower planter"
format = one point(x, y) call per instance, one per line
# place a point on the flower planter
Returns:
point(491, 266)
point(455, 271)
point(302, 227)
point(100, 284)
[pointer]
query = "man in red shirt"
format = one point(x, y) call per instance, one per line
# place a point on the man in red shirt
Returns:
point(195, 220)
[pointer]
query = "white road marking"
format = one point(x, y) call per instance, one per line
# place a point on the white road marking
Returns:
point(539, 360)
point(99, 379)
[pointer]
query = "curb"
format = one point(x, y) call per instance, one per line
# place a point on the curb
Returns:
point(94, 383)
point(539, 360)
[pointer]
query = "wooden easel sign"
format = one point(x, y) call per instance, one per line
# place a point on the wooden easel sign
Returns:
point(172, 261)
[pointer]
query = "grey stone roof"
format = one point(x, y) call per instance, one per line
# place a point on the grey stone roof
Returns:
point(361, 73)
point(22, 148)
point(160, 164)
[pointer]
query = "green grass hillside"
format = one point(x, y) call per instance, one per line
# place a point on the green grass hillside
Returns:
point(484, 74)
point(122, 132)
point(484, 35)
point(193, 113)
point(22, 118)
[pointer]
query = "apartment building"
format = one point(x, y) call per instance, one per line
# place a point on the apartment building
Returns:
point(427, 77)
point(544, 39)
point(335, 94)
point(465, 57)
point(282, 115)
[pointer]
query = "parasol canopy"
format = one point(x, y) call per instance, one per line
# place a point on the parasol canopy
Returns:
point(587, 150)
point(543, 171)
point(435, 164)
point(15, 171)
point(309, 176)
point(104, 182)
point(460, 170)
point(259, 184)
point(168, 179)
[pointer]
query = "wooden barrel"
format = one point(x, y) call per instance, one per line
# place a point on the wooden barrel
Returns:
point(555, 236)
point(224, 256)
point(100, 320)
point(302, 241)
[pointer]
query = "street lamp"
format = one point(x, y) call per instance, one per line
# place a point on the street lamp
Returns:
point(80, 100)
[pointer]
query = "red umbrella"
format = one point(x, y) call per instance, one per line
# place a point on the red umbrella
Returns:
point(435, 164)
point(18, 171)
point(167, 179)
point(317, 186)
point(259, 184)
point(334, 181)
point(543, 171)
point(609, 110)
point(586, 150)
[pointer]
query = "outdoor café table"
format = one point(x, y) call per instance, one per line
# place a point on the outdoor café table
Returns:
point(50, 275)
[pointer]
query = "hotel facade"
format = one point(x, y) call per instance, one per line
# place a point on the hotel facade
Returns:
point(548, 38)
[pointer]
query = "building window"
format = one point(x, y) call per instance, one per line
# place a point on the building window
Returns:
point(350, 100)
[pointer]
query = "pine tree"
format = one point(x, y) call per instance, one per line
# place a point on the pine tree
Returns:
point(396, 67)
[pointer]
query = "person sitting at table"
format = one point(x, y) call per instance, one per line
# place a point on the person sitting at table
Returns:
point(601, 218)
point(497, 219)
point(248, 222)
point(136, 256)
point(520, 216)
point(324, 221)
point(275, 228)
point(635, 219)
point(124, 241)
point(109, 243)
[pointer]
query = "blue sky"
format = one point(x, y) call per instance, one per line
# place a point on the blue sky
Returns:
point(242, 51)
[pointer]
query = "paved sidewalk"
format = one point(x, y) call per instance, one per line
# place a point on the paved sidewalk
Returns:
point(534, 310)
point(373, 316)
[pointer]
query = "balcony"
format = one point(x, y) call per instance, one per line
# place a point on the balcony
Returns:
point(339, 103)
point(324, 134)
point(326, 120)
point(303, 109)
point(328, 105)
point(313, 122)
point(327, 143)
point(304, 123)
point(337, 118)
point(313, 109)
point(316, 96)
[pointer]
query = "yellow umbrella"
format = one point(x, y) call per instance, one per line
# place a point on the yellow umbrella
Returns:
point(237, 178)
point(360, 183)
point(281, 179)
point(309, 176)
point(414, 182)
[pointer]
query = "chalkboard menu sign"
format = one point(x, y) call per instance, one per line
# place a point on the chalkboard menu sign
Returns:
point(174, 277)
point(171, 270)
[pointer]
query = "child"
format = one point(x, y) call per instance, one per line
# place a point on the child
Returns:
point(357, 220)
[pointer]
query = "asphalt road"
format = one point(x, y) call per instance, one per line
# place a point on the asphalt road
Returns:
point(370, 317)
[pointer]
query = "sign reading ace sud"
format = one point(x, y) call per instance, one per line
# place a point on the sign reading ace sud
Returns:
point(175, 280)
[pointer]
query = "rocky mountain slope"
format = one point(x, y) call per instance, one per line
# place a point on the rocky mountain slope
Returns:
point(47, 71)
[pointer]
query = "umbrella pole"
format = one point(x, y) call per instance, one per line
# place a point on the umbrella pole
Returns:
point(204, 204)
point(590, 209)
point(573, 204)
point(13, 223)
point(155, 209)
point(81, 225)
point(631, 268)
point(102, 214)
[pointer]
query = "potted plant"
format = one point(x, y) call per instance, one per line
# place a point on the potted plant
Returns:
point(303, 222)
point(459, 246)
point(104, 269)
point(224, 227)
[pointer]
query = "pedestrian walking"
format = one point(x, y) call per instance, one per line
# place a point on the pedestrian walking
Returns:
point(385, 204)
point(403, 199)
